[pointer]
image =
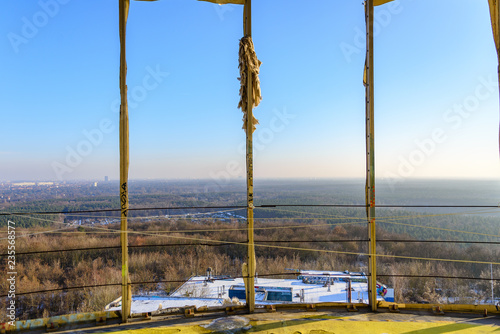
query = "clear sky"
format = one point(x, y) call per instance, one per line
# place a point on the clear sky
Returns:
point(436, 94)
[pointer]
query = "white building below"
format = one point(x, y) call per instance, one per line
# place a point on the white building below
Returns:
point(309, 287)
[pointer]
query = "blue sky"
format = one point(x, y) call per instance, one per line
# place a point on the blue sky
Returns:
point(436, 99)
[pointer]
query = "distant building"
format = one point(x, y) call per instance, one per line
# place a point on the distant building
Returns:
point(106, 179)
point(45, 183)
point(23, 184)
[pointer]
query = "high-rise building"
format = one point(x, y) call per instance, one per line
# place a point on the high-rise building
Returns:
point(106, 179)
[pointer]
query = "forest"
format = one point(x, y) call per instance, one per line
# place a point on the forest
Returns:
point(166, 250)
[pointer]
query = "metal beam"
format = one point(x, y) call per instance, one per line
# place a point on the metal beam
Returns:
point(496, 35)
point(370, 159)
point(458, 308)
point(124, 160)
point(247, 30)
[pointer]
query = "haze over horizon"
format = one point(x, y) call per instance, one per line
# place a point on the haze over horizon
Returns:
point(436, 90)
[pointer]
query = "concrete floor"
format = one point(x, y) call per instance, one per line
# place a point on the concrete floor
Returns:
point(320, 322)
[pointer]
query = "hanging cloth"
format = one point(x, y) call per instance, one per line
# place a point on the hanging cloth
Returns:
point(248, 63)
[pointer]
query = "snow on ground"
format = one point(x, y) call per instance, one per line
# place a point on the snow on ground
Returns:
point(313, 293)
point(198, 291)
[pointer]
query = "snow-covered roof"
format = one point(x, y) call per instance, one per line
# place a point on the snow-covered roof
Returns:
point(199, 291)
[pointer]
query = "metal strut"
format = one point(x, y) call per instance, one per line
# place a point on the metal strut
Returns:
point(370, 158)
point(124, 161)
point(247, 30)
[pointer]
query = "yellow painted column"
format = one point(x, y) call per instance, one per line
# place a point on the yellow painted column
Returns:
point(370, 159)
point(495, 27)
point(124, 160)
point(496, 36)
point(247, 23)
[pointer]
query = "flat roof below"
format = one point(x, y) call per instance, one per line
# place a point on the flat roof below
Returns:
point(198, 291)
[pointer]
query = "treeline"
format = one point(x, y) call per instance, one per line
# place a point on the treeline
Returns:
point(111, 203)
point(171, 252)
point(422, 226)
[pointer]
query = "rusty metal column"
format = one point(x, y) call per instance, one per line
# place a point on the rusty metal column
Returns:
point(247, 22)
point(370, 159)
point(124, 160)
